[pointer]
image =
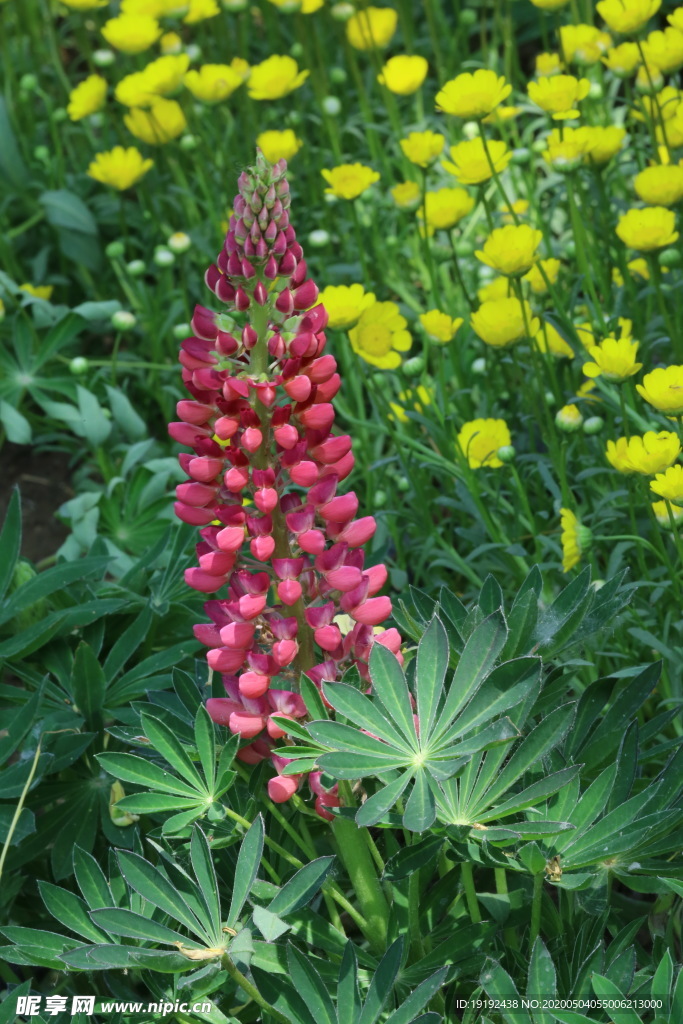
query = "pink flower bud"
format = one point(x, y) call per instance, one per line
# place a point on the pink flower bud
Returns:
point(345, 578)
point(328, 389)
point(377, 577)
point(231, 538)
point(276, 346)
point(317, 417)
point(251, 439)
point(328, 637)
point(195, 494)
point(222, 659)
point(204, 468)
point(249, 337)
point(289, 591)
point(253, 684)
point(333, 449)
point(298, 389)
point(224, 290)
point(274, 731)
point(262, 548)
point(373, 611)
point(226, 344)
point(204, 323)
point(193, 516)
point(270, 270)
point(242, 301)
point(206, 634)
point(245, 724)
point(282, 788)
point(358, 531)
point(390, 638)
point(251, 605)
point(312, 541)
point(236, 478)
point(285, 302)
point(186, 433)
point(260, 294)
point(340, 509)
point(194, 412)
point(225, 427)
point(342, 468)
point(286, 436)
point(284, 652)
point(306, 294)
point(238, 635)
point(216, 563)
point(203, 581)
point(265, 499)
point(304, 474)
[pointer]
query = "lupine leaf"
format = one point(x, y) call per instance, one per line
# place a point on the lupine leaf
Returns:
point(432, 665)
point(248, 862)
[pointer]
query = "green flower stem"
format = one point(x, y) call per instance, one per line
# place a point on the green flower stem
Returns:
point(497, 179)
point(19, 808)
point(467, 877)
point(536, 910)
point(458, 272)
point(251, 990)
point(429, 260)
point(656, 272)
point(582, 248)
point(354, 852)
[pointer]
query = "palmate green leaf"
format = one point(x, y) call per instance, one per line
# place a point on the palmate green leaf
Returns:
point(206, 745)
point(88, 686)
point(71, 911)
point(380, 803)
point(346, 765)
point(301, 887)
point(91, 880)
point(605, 738)
point(310, 987)
point(420, 811)
point(363, 712)
point(541, 979)
point(18, 724)
point(153, 886)
point(205, 873)
point(498, 985)
point(391, 689)
point(348, 993)
point(248, 862)
point(337, 736)
point(506, 686)
point(119, 921)
point(131, 768)
point(418, 999)
point(172, 750)
point(533, 794)
point(432, 665)
point(382, 983)
point(605, 989)
point(412, 858)
point(47, 582)
point(159, 803)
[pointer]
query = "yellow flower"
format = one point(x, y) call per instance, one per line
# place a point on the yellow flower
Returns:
point(584, 44)
point(371, 28)
point(473, 95)
point(663, 389)
point(613, 359)
point(549, 339)
point(603, 143)
point(470, 163)
point(416, 398)
point(669, 485)
point(119, 168)
point(565, 150)
point(348, 181)
point(275, 77)
point(616, 454)
point(575, 538)
point(212, 83)
point(664, 50)
point(559, 95)
point(519, 207)
point(38, 291)
point(501, 322)
point(200, 10)
point(511, 250)
point(300, 6)
point(479, 441)
point(380, 335)
point(406, 195)
point(444, 208)
point(87, 97)
point(501, 114)
point(568, 419)
point(162, 122)
point(403, 75)
point(344, 303)
point(548, 64)
point(627, 16)
point(499, 288)
point(648, 229)
point(135, 90)
point(422, 148)
point(622, 60)
point(664, 105)
point(550, 267)
point(278, 145)
point(170, 42)
point(652, 453)
point(660, 184)
point(638, 268)
point(164, 75)
point(440, 326)
point(131, 33)
point(676, 18)
point(662, 509)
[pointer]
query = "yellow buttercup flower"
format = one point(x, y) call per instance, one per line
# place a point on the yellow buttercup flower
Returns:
point(200, 10)
point(212, 83)
point(403, 75)
point(38, 291)
point(662, 185)
point(664, 105)
point(87, 97)
point(614, 359)
point(583, 44)
point(345, 303)
point(575, 538)
point(501, 114)
point(422, 148)
point(627, 16)
point(548, 339)
point(603, 143)
point(119, 168)
point(566, 150)
point(648, 229)
point(275, 77)
point(160, 124)
point(663, 389)
point(676, 18)
point(548, 64)
point(511, 250)
point(470, 164)
point(568, 419)
point(415, 398)
point(371, 28)
point(664, 50)
point(380, 335)
point(406, 195)
point(501, 322)
point(131, 33)
point(164, 76)
point(348, 181)
point(499, 288)
point(637, 268)
point(559, 95)
point(278, 145)
point(520, 207)
point(652, 453)
point(444, 208)
point(135, 90)
point(662, 509)
point(544, 269)
point(669, 485)
point(480, 441)
point(622, 60)
point(440, 326)
point(473, 95)
point(170, 43)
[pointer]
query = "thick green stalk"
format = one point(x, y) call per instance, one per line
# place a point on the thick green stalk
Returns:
point(467, 876)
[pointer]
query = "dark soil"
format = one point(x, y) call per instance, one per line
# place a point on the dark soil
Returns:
point(43, 479)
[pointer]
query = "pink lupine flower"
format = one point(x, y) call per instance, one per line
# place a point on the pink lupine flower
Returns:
point(281, 547)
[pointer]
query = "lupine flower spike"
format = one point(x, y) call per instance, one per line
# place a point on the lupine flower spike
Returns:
point(281, 546)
